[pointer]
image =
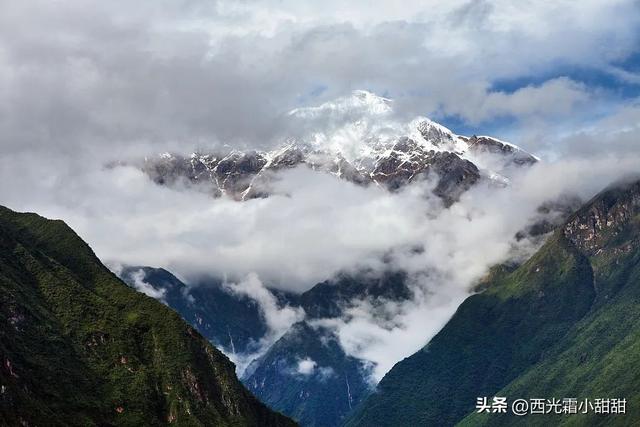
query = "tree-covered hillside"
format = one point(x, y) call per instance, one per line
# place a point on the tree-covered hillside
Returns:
point(79, 347)
point(565, 324)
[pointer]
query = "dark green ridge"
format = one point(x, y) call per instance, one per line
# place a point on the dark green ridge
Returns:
point(564, 324)
point(79, 347)
point(230, 322)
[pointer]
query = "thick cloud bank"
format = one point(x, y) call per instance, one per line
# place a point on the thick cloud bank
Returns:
point(316, 226)
point(74, 72)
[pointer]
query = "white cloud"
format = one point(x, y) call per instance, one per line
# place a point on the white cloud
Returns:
point(82, 76)
point(553, 98)
point(323, 226)
point(278, 318)
point(306, 366)
point(141, 286)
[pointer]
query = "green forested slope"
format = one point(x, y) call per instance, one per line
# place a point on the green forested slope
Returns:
point(564, 324)
point(78, 347)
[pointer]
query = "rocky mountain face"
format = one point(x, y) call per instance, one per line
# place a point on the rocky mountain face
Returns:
point(79, 347)
point(608, 216)
point(391, 156)
point(305, 373)
point(334, 383)
point(565, 324)
point(231, 322)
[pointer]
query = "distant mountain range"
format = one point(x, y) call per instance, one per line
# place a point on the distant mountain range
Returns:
point(391, 155)
point(332, 385)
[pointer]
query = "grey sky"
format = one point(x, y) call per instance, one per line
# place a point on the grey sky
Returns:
point(119, 76)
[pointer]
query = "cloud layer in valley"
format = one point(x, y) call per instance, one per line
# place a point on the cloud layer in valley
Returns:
point(316, 226)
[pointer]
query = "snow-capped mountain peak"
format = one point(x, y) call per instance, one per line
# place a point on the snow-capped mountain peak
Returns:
point(359, 139)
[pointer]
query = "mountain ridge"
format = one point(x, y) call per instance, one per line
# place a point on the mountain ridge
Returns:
point(319, 397)
point(80, 348)
point(561, 325)
point(372, 148)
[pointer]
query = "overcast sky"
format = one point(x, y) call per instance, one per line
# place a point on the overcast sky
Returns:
point(119, 74)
